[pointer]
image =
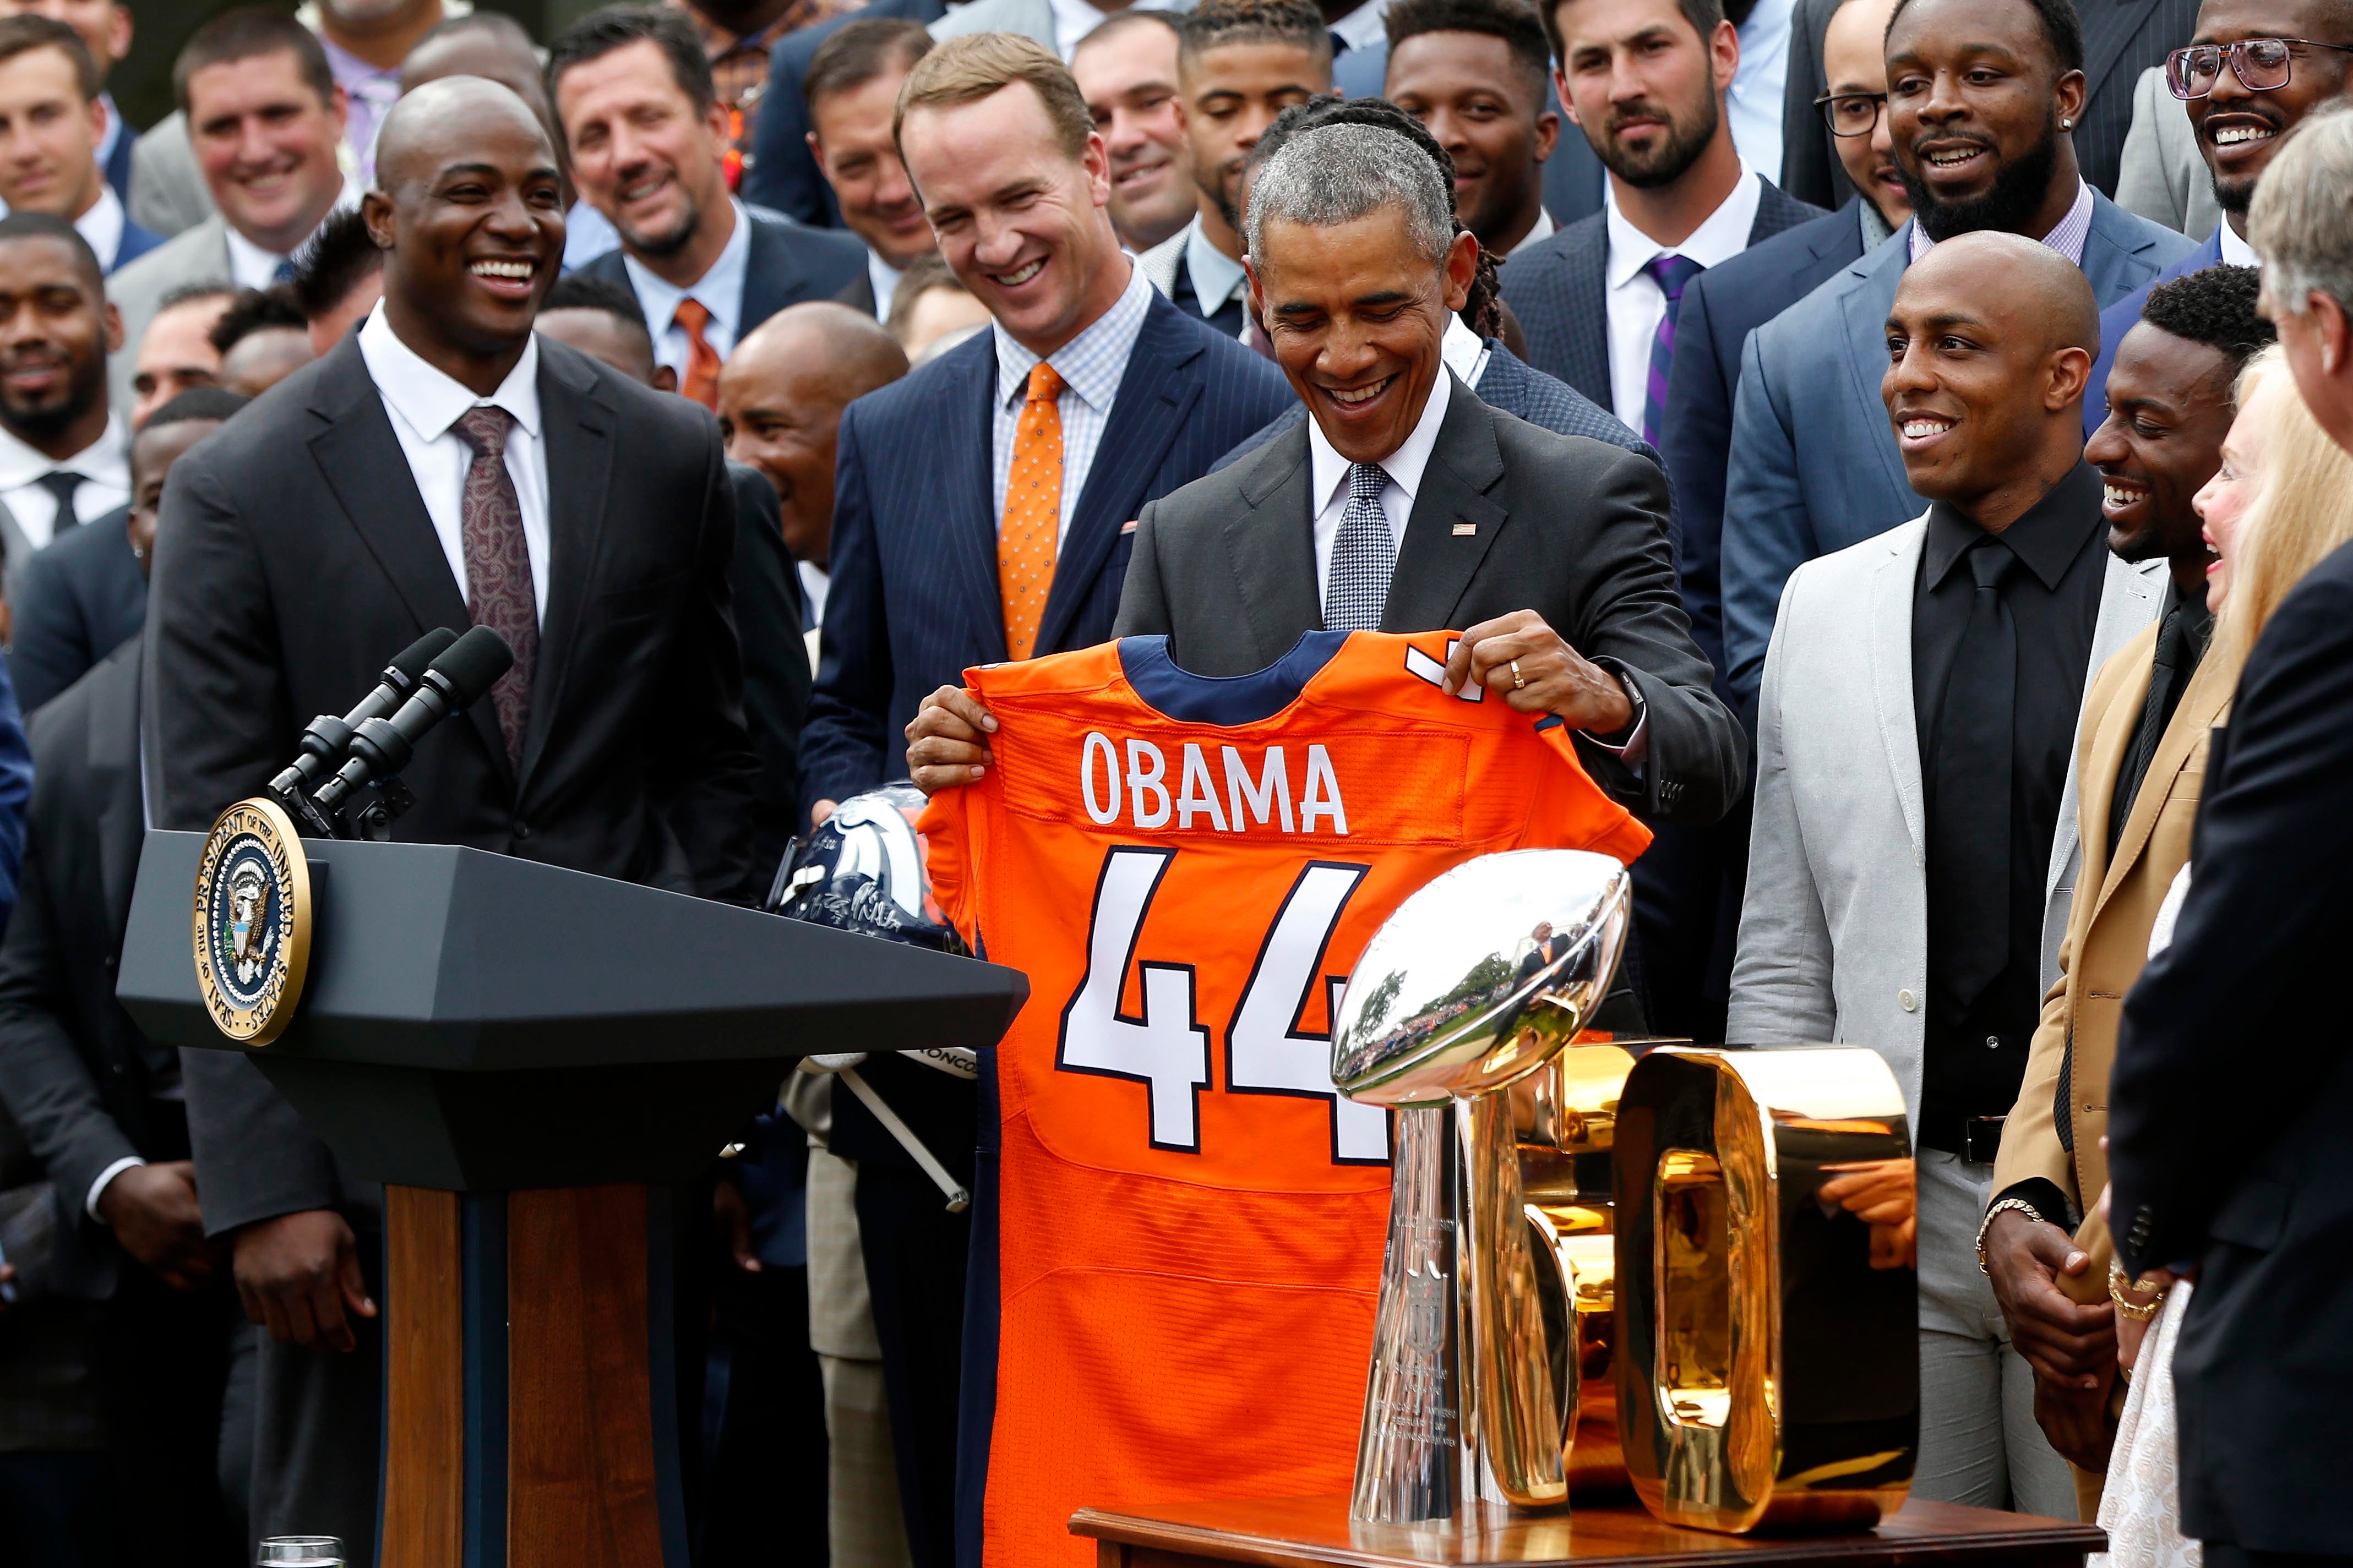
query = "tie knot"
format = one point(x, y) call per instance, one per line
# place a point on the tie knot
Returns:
point(484, 427)
point(1366, 481)
point(694, 315)
point(1671, 273)
point(1045, 384)
point(1991, 560)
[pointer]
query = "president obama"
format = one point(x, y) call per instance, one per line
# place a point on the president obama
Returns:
point(441, 467)
point(1405, 504)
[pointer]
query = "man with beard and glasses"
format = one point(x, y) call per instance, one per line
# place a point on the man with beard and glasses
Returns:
point(1473, 72)
point(1240, 63)
point(1982, 98)
point(64, 456)
point(648, 140)
point(1127, 68)
point(2251, 74)
point(853, 84)
point(1645, 81)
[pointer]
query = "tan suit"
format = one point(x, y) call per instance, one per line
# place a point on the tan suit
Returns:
point(2106, 943)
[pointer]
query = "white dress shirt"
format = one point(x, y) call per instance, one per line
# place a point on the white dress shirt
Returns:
point(719, 290)
point(104, 466)
point(102, 224)
point(815, 581)
point(1542, 230)
point(1464, 351)
point(251, 267)
point(2236, 252)
point(883, 279)
point(1328, 474)
point(1753, 103)
point(1091, 366)
point(425, 405)
point(1365, 26)
point(1217, 277)
point(1636, 303)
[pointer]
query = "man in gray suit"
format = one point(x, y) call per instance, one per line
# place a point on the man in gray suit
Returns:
point(265, 118)
point(1406, 504)
point(1913, 850)
point(1983, 98)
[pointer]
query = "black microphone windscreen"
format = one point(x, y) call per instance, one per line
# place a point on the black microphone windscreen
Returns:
point(412, 660)
point(474, 663)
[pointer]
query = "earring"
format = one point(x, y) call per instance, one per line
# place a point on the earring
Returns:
point(2066, 125)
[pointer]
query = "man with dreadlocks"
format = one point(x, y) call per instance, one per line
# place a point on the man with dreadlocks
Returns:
point(1474, 346)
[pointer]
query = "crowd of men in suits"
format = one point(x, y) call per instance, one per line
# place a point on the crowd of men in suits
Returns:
point(1721, 370)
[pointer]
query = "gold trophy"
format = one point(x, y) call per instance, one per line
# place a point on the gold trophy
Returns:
point(1479, 979)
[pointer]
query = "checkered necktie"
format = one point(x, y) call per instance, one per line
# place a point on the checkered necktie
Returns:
point(499, 591)
point(1671, 273)
point(1362, 556)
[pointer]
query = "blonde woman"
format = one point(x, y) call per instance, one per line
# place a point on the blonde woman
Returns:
point(2282, 502)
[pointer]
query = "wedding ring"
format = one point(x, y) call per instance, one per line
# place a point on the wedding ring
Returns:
point(1519, 682)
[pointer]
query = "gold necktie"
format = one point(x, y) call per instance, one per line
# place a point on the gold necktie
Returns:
point(1033, 513)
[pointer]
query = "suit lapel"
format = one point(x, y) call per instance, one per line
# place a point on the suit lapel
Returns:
point(2103, 755)
point(969, 539)
point(1890, 651)
point(361, 460)
point(770, 277)
point(1454, 521)
point(1272, 546)
point(577, 423)
point(114, 777)
point(1863, 314)
point(2129, 598)
point(1157, 393)
point(2115, 263)
point(2201, 708)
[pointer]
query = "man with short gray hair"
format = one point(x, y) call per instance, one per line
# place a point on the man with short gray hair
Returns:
point(2298, 227)
point(1405, 503)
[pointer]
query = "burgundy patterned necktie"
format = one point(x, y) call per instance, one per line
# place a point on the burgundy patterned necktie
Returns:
point(498, 592)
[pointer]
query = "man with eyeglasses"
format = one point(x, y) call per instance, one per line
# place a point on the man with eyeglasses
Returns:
point(2250, 73)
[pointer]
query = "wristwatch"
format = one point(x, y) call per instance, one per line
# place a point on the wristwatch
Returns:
point(2022, 1205)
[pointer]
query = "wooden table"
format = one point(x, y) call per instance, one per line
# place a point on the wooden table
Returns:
point(1315, 1532)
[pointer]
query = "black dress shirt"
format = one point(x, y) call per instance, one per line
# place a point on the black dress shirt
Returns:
point(1976, 1055)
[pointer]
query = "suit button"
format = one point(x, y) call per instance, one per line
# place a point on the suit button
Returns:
point(522, 830)
point(1908, 1000)
point(110, 961)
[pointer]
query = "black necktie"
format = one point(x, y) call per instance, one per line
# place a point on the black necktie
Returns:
point(1968, 851)
point(2167, 676)
point(62, 484)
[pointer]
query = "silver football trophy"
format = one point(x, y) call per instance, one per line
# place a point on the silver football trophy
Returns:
point(1479, 979)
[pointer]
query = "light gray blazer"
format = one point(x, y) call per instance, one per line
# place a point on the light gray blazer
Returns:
point(1834, 928)
point(168, 194)
point(199, 255)
point(2161, 177)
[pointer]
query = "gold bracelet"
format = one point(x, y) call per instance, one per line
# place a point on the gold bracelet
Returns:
point(2118, 1285)
point(2023, 1207)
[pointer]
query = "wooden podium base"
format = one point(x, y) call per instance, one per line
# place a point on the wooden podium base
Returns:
point(529, 1359)
point(1316, 1532)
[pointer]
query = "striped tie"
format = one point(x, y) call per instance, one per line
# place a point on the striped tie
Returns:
point(1671, 273)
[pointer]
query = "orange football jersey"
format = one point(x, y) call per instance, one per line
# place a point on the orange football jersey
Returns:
point(1189, 1219)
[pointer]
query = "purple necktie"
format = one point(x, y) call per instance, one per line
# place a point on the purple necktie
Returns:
point(1671, 273)
point(499, 593)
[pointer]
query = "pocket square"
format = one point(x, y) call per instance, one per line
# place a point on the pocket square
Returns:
point(1128, 527)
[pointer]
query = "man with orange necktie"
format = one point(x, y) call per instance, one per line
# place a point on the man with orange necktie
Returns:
point(983, 511)
point(649, 142)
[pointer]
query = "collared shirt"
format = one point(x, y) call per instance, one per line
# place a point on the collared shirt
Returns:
point(425, 405)
point(104, 466)
point(1753, 102)
point(1464, 351)
point(1875, 231)
point(1091, 365)
point(103, 224)
point(815, 582)
point(1328, 473)
point(371, 91)
point(1363, 27)
point(1975, 1058)
point(1219, 288)
point(251, 267)
point(2237, 252)
point(2067, 239)
point(1636, 303)
point(883, 279)
point(588, 235)
point(1542, 231)
point(720, 291)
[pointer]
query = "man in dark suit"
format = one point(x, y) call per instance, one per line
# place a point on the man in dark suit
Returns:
point(101, 1104)
point(2261, 1352)
point(648, 139)
point(52, 122)
point(80, 597)
point(2122, 38)
point(781, 174)
point(851, 91)
point(443, 465)
point(983, 510)
point(1645, 83)
point(2318, 78)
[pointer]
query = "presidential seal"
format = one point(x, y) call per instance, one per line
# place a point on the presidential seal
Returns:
point(252, 921)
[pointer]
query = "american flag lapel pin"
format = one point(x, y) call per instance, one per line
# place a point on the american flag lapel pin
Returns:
point(1465, 530)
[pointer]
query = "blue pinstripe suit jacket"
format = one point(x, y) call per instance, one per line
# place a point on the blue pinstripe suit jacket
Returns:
point(913, 600)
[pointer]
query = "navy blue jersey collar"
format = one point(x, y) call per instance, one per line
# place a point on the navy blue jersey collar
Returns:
point(1227, 700)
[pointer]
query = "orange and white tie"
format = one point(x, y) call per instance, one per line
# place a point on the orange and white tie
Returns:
point(700, 381)
point(1033, 513)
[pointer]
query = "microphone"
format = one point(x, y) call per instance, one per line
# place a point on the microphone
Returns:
point(380, 747)
point(329, 738)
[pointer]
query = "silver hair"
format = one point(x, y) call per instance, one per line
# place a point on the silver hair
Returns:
point(1337, 174)
point(2297, 224)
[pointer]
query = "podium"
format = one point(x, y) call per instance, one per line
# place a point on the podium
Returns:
point(517, 1051)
